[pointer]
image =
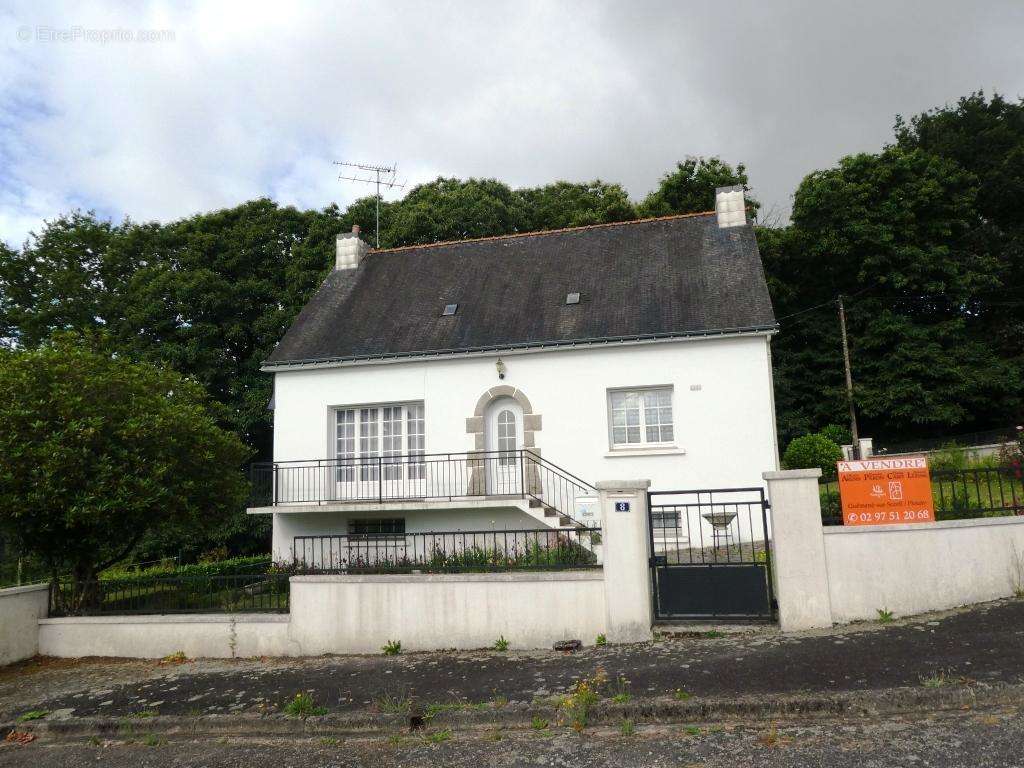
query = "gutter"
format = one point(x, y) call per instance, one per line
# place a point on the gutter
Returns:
point(519, 348)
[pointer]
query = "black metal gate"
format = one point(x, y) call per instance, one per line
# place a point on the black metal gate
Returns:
point(711, 554)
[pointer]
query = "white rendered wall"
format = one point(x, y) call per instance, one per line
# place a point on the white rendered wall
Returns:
point(21, 608)
point(722, 406)
point(153, 637)
point(359, 614)
point(910, 569)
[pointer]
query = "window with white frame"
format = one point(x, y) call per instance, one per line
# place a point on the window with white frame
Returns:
point(641, 417)
point(507, 442)
point(392, 437)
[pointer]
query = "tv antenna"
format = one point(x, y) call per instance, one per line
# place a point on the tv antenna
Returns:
point(381, 175)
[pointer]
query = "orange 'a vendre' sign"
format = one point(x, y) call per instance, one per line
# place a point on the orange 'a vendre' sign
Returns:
point(886, 491)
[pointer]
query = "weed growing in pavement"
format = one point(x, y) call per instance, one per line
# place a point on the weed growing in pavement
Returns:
point(936, 680)
point(499, 701)
point(620, 690)
point(392, 647)
point(392, 704)
point(152, 740)
point(33, 714)
point(495, 735)
point(178, 657)
point(435, 708)
point(585, 694)
point(95, 741)
point(627, 728)
point(1018, 592)
point(680, 695)
point(771, 738)
point(330, 741)
point(601, 640)
point(303, 706)
point(693, 730)
point(538, 723)
point(884, 616)
point(437, 737)
point(714, 634)
point(143, 714)
point(501, 644)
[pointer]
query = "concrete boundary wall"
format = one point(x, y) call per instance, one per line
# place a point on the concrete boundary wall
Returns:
point(356, 614)
point(829, 574)
point(218, 636)
point(359, 614)
point(910, 569)
point(21, 608)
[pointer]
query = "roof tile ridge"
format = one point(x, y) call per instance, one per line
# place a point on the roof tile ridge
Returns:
point(540, 232)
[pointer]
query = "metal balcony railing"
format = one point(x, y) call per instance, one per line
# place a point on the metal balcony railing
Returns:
point(422, 476)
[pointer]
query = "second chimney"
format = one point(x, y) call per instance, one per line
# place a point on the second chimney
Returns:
point(731, 206)
point(350, 249)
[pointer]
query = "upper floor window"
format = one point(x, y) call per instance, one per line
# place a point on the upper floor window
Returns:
point(388, 438)
point(640, 417)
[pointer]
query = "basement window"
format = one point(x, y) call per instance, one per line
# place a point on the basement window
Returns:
point(381, 528)
point(450, 309)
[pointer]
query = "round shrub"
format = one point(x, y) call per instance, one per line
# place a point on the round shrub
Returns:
point(811, 451)
point(837, 433)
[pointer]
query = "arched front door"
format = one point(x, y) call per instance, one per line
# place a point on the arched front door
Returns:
point(504, 426)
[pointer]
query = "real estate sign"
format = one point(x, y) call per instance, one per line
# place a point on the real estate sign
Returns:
point(886, 491)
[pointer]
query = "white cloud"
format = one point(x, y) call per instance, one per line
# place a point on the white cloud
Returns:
point(257, 99)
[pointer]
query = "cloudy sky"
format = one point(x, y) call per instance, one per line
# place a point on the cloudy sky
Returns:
point(161, 110)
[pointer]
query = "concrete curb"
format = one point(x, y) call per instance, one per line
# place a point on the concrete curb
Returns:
point(751, 709)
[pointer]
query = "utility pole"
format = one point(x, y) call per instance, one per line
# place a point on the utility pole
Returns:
point(380, 175)
point(849, 379)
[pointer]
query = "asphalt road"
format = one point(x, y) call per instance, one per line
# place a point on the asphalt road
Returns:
point(983, 645)
point(972, 739)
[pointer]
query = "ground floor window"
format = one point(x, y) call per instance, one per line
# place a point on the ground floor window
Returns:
point(380, 438)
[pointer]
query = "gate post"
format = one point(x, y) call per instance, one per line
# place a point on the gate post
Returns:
point(798, 550)
point(629, 610)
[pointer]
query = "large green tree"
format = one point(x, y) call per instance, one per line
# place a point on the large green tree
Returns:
point(451, 209)
point(896, 233)
point(985, 136)
point(98, 452)
point(568, 204)
point(690, 188)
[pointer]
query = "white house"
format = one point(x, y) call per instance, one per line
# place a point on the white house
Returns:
point(485, 385)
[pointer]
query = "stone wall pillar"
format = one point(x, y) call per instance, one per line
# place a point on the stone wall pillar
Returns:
point(629, 610)
point(798, 550)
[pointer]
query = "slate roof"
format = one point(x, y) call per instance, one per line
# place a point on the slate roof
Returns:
point(656, 278)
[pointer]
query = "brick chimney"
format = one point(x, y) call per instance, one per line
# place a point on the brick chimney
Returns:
point(350, 250)
point(731, 206)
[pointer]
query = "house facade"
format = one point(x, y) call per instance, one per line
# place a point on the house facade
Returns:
point(486, 385)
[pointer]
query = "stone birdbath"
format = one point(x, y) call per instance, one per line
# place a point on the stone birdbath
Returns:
point(720, 520)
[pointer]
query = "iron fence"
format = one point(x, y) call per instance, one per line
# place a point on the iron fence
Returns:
point(449, 552)
point(958, 494)
point(436, 476)
point(250, 593)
